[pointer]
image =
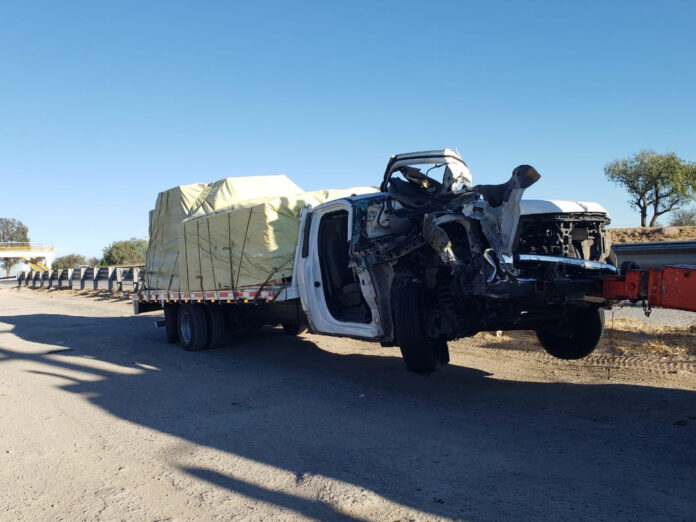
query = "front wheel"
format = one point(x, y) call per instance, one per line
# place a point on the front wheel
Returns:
point(576, 338)
point(421, 353)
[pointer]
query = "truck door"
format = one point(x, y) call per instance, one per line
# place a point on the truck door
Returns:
point(336, 299)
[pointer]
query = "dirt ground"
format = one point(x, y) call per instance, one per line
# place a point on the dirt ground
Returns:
point(102, 420)
point(651, 234)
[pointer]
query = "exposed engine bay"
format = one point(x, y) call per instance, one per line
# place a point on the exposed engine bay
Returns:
point(478, 263)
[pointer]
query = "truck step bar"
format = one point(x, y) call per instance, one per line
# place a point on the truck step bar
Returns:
point(672, 287)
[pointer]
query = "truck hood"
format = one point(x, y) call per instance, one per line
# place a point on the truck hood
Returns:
point(555, 206)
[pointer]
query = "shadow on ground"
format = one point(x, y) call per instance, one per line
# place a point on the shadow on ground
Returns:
point(458, 444)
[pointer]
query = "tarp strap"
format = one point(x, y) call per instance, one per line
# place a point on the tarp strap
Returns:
point(241, 256)
point(200, 262)
point(229, 249)
point(210, 251)
point(171, 276)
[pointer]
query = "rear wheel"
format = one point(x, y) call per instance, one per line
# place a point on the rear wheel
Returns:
point(171, 316)
point(193, 327)
point(421, 353)
point(294, 328)
point(576, 338)
point(216, 325)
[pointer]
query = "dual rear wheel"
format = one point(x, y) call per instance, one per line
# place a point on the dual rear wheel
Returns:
point(198, 326)
point(195, 326)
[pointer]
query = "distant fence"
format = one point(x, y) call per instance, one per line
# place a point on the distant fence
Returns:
point(112, 278)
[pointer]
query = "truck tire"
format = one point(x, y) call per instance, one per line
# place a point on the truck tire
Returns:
point(420, 353)
point(193, 327)
point(294, 328)
point(581, 337)
point(216, 325)
point(171, 323)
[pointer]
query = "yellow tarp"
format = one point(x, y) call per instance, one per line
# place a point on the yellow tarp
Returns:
point(227, 234)
point(251, 244)
point(171, 208)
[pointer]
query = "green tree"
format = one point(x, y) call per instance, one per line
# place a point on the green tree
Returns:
point(684, 217)
point(69, 261)
point(128, 252)
point(12, 231)
point(93, 261)
point(658, 182)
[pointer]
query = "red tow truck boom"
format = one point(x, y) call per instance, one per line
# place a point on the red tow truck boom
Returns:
point(671, 287)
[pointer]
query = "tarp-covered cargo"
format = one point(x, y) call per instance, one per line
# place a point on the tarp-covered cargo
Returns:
point(251, 244)
point(228, 234)
point(174, 205)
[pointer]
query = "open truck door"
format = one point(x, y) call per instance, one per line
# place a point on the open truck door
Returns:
point(336, 298)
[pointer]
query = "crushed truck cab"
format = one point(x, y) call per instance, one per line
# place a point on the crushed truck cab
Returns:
point(428, 258)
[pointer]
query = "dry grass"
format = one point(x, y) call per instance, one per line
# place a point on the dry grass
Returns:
point(621, 337)
point(628, 336)
point(649, 235)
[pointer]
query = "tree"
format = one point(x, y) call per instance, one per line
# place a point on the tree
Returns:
point(658, 182)
point(685, 217)
point(69, 261)
point(93, 261)
point(128, 252)
point(12, 231)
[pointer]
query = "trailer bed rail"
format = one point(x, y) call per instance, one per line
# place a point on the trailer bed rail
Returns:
point(241, 295)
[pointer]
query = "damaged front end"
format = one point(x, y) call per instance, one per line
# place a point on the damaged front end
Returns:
point(478, 264)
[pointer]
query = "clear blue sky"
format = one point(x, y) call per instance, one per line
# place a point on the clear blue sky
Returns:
point(104, 105)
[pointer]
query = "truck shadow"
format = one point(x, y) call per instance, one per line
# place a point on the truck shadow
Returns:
point(460, 443)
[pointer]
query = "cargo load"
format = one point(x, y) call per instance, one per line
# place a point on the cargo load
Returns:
point(251, 244)
point(228, 234)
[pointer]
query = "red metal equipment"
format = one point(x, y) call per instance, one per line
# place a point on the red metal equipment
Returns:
point(669, 287)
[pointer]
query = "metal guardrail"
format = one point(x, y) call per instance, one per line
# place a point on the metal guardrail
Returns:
point(657, 254)
point(112, 278)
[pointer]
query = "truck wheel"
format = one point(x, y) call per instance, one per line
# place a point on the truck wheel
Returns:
point(193, 327)
point(294, 328)
point(421, 353)
point(171, 316)
point(578, 339)
point(216, 325)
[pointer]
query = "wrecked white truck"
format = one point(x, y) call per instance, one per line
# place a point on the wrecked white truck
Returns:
point(428, 258)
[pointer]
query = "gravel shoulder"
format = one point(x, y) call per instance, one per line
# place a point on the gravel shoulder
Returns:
point(103, 420)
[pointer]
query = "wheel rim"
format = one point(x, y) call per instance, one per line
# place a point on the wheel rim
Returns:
point(185, 329)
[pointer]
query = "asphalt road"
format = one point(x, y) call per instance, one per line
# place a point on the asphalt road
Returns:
point(101, 419)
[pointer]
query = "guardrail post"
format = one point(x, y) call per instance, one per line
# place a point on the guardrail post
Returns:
point(51, 278)
point(110, 278)
point(68, 280)
point(42, 278)
point(117, 272)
